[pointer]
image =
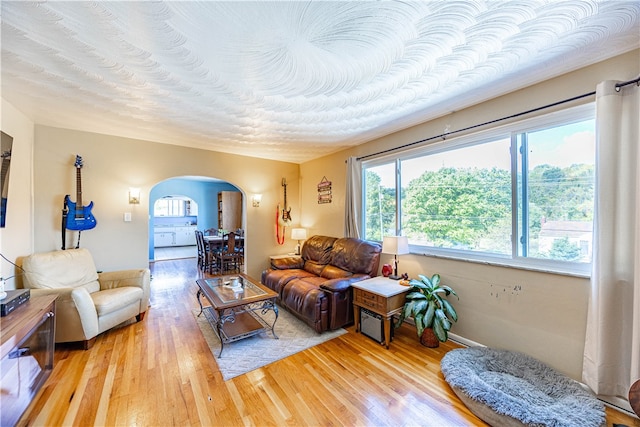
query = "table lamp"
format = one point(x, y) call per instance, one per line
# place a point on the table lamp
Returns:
point(396, 245)
point(298, 234)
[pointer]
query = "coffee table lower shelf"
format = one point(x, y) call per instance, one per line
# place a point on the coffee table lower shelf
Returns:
point(238, 325)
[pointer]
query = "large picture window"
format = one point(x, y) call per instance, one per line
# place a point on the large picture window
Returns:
point(521, 194)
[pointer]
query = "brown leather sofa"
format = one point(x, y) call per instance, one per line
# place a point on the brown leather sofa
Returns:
point(316, 286)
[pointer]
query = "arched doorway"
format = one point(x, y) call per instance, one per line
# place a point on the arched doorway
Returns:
point(193, 200)
point(175, 219)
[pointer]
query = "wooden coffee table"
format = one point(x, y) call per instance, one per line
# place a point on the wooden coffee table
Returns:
point(236, 308)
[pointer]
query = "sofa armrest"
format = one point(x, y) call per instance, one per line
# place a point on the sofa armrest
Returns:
point(342, 284)
point(287, 263)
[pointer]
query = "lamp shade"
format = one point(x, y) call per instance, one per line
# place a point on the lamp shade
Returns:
point(298, 233)
point(397, 245)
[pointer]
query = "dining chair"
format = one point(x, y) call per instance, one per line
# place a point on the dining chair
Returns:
point(206, 258)
point(211, 232)
point(200, 246)
point(229, 258)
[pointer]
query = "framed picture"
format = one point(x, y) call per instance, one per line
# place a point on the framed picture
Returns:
point(5, 151)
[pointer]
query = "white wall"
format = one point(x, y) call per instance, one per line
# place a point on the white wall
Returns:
point(537, 313)
point(16, 239)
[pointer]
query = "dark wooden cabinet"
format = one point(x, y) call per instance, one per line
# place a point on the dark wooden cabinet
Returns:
point(27, 336)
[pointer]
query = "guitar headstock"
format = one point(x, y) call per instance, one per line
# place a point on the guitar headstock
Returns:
point(78, 163)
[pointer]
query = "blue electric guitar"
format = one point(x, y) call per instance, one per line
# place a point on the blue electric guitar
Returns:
point(78, 217)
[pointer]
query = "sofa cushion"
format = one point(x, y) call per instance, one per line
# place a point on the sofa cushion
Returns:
point(277, 279)
point(314, 267)
point(356, 256)
point(332, 272)
point(303, 298)
point(318, 249)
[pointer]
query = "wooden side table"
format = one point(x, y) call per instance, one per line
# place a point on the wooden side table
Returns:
point(381, 295)
point(26, 354)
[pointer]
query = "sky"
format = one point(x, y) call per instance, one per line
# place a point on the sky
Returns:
point(559, 146)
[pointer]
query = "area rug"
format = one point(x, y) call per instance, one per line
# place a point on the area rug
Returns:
point(245, 355)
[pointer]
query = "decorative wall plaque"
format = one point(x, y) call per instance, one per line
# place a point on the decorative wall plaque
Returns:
point(324, 191)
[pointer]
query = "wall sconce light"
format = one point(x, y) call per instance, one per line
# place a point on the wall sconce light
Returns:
point(298, 234)
point(134, 196)
point(256, 199)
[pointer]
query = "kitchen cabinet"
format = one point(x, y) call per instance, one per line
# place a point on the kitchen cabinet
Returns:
point(174, 236)
point(185, 236)
point(229, 210)
point(164, 239)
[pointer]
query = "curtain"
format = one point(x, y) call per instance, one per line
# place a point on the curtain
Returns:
point(353, 197)
point(612, 346)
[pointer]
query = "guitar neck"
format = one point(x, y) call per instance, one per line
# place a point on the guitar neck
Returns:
point(78, 187)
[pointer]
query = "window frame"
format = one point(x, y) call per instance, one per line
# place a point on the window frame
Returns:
point(508, 131)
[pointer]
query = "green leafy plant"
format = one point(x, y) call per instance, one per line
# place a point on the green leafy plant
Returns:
point(427, 303)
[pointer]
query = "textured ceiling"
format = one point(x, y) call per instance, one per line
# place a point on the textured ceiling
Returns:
point(292, 80)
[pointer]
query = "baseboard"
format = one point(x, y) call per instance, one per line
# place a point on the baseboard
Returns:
point(464, 341)
point(618, 404)
point(453, 337)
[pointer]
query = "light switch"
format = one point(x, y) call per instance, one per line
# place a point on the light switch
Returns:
point(127, 217)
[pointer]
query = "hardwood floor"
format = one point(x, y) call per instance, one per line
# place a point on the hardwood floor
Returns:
point(160, 372)
point(174, 252)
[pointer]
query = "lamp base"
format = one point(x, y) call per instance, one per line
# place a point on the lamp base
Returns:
point(394, 277)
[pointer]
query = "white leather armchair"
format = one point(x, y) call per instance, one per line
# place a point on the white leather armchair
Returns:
point(89, 302)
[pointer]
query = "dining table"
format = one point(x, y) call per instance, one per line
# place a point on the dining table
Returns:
point(215, 245)
point(217, 242)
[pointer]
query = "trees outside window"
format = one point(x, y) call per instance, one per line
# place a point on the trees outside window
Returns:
point(523, 193)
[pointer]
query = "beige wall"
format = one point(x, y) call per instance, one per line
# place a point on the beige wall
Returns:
point(537, 313)
point(113, 164)
point(16, 238)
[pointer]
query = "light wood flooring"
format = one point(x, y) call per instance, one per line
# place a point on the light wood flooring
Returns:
point(174, 252)
point(160, 372)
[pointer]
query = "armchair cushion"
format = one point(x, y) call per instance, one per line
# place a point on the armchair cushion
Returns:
point(51, 270)
point(111, 300)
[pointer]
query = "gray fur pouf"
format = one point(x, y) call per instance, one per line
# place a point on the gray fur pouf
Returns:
point(506, 388)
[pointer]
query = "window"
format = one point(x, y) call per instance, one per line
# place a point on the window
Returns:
point(168, 206)
point(521, 194)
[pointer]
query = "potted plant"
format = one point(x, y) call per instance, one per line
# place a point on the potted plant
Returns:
point(432, 313)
